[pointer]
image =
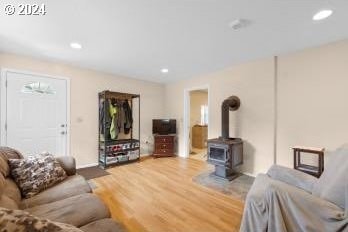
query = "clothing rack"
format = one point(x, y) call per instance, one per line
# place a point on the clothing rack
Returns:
point(112, 149)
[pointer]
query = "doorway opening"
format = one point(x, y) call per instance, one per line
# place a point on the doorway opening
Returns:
point(198, 124)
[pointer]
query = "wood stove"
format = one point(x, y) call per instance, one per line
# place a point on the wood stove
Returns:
point(224, 152)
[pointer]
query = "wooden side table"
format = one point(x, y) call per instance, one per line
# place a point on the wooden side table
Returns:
point(309, 169)
point(164, 145)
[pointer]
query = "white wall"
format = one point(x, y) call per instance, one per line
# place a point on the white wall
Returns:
point(253, 83)
point(312, 107)
point(312, 99)
point(85, 85)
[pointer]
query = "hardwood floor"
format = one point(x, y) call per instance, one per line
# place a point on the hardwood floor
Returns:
point(159, 195)
point(198, 154)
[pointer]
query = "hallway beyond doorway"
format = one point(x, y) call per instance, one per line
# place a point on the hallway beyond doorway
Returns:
point(198, 123)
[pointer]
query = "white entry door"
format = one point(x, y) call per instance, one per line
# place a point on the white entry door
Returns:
point(36, 113)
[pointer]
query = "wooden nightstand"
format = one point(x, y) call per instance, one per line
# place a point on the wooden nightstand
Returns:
point(309, 169)
point(164, 145)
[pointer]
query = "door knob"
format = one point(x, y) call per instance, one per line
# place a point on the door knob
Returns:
point(63, 132)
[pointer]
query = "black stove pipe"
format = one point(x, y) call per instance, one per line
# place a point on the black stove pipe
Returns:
point(230, 104)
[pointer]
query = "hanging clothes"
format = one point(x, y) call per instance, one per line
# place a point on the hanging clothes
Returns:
point(122, 117)
point(119, 113)
point(101, 117)
point(104, 116)
point(114, 131)
point(128, 119)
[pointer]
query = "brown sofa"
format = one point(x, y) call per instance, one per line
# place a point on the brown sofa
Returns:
point(71, 201)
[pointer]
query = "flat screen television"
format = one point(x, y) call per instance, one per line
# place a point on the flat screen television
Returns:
point(164, 126)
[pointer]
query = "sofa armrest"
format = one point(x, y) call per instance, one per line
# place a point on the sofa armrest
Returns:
point(292, 177)
point(272, 205)
point(68, 164)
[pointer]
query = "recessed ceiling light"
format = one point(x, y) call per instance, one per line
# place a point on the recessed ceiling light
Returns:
point(75, 45)
point(164, 70)
point(323, 14)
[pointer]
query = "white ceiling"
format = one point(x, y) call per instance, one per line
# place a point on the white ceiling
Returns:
point(137, 38)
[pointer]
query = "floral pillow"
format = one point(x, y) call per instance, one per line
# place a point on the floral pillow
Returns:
point(36, 173)
point(21, 221)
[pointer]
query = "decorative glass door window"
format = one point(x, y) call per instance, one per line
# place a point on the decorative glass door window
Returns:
point(38, 87)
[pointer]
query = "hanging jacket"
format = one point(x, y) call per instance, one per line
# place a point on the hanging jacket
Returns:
point(104, 116)
point(118, 120)
point(101, 117)
point(128, 118)
point(113, 128)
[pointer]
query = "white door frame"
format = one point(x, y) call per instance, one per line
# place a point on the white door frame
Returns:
point(187, 110)
point(3, 102)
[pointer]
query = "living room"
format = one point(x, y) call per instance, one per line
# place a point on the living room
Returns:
point(275, 77)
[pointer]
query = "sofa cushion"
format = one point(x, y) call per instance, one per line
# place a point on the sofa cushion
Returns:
point(2, 184)
point(292, 177)
point(5, 200)
point(5, 154)
point(21, 221)
point(77, 210)
point(8, 203)
point(71, 186)
point(10, 153)
point(332, 183)
point(36, 173)
point(103, 225)
point(4, 168)
point(68, 164)
point(12, 191)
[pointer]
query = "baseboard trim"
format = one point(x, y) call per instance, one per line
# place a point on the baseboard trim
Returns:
point(87, 165)
point(144, 155)
point(96, 164)
point(249, 174)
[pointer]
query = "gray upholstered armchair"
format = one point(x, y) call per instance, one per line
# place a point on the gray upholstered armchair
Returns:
point(285, 199)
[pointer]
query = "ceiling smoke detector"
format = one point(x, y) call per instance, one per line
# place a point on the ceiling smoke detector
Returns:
point(239, 24)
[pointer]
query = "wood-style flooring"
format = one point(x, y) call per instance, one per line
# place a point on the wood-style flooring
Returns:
point(198, 154)
point(158, 195)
